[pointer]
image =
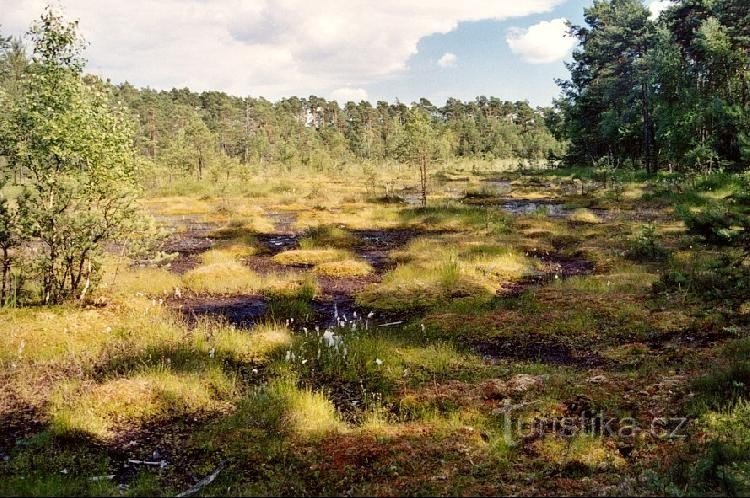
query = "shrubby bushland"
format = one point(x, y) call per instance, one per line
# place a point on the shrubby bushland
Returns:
point(75, 146)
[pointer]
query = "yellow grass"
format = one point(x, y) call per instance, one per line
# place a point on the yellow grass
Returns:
point(99, 409)
point(229, 253)
point(584, 216)
point(344, 268)
point(310, 256)
point(222, 278)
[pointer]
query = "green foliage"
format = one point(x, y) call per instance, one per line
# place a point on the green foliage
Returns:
point(10, 239)
point(645, 245)
point(724, 277)
point(722, 410)
point(715, 223)
point(420, 146)
point(671, 90)
point(76, 146)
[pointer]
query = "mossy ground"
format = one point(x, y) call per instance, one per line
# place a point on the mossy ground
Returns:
point(469, 320)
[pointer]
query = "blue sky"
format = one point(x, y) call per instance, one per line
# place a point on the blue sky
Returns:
point(484, 64)
point(340, 49)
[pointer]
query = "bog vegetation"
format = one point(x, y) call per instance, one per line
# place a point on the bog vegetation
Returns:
point(298, 298)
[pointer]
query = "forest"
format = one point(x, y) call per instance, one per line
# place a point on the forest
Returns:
point(212, 294)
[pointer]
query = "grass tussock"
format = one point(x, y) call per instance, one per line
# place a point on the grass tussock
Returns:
point(310, 256)
point(327, 236)
point(587, 451)
point(120, 278)
point(153, 394)
point(585, 216)
point(228, 277)
point(431, 271)
point(230, 253)
point(344, 268)
point(244, 346)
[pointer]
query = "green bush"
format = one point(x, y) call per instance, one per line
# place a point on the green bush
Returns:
point(716, 224)
point(725, 277)
point(645, 246)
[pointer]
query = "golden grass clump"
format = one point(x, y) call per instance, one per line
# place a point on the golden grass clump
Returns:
point(228, 277)
point(178, 205)
point(432, 271)
point(591, 452)
point(307, 413)
point(229, 253)
point(156, 393)
point(240, 345)
point(585, 216)
point(310, 256)
point(344, 268)
point(71, 335)
point(157, 282)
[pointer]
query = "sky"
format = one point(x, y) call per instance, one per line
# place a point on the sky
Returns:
point(338, 49)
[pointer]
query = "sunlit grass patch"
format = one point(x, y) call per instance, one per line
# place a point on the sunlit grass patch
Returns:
point(224, 274)
point(436, 270)
point(271, 414)
point(309, 413)
point(457, 217)
point(228, 277)
point(585, 216)
point(344, 268)
point(242, 227)
point(258, 344)
point(143, 281)
point(327, 236)
point(119, 277)
point(588, 451)
point(289, 285)
point(67, 334)
point(178, 205)
point(416, 286)
point(152, 394)
point(230, 253)
point(310, 256)
point(502, 266)
point(326, 261)
point(350, 215)
point(621, 277)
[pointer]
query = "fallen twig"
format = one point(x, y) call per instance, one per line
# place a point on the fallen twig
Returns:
point(391, 323)
point(205, 481)
point(102, 478)
point(160, 463)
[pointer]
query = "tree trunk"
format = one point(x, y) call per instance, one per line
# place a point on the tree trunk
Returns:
point(423, 180)
point(6, 271)
point(648, 133)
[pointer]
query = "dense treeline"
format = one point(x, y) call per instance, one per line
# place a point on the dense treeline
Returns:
point(670, 92)
point(184, 129)
point(186, 132)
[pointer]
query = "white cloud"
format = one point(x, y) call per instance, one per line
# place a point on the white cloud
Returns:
point(448, 59)
point(261, 47)
point(658, 6)
point(347, 93)
point(542, 43)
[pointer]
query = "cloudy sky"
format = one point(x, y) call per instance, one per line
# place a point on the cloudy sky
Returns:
point(342, 49)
